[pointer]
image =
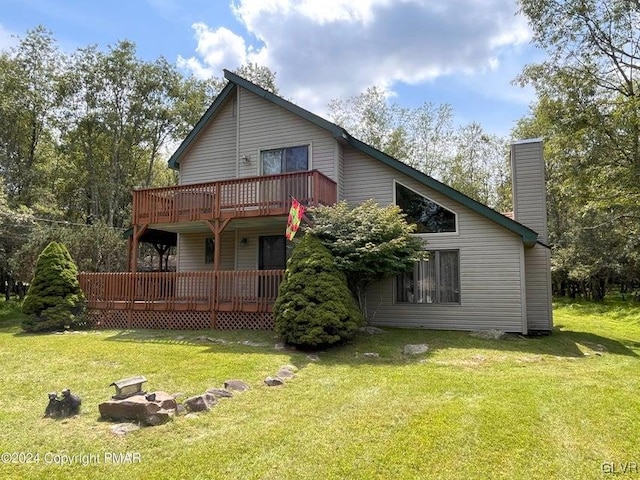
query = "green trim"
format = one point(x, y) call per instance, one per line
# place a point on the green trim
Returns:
point(529, 237)
point(174, 161)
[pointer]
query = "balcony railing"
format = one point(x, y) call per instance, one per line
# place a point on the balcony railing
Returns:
point(224, 291)
point(241, 197)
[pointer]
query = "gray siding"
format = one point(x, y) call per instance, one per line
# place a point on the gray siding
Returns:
point(340, 166)
point(264, 126)
point(490, 260)
point(191, 250)
point(213, 156)
point(529, 208)
point(248, 254)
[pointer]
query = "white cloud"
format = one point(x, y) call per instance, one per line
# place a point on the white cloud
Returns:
point(219, 48)
point(336, 48)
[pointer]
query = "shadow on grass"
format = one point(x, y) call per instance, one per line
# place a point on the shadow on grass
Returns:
point(388, 346)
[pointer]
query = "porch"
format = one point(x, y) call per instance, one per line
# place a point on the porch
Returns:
point(182, 300)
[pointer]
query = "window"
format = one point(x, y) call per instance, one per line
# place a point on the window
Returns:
point(435, 279)
point(426, 214)
point(284, 160)
point(209, 248)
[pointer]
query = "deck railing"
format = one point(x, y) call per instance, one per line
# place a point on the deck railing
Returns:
point(233, 291)
point(241, 197)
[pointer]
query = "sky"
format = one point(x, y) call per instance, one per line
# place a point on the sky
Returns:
point(462, 52)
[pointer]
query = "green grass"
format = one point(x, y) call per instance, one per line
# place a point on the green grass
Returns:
point(549, 407)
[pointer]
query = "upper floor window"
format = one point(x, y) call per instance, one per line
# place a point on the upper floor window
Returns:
point(429, 216)
point(284, 160)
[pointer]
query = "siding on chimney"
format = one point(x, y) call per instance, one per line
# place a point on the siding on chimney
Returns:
point(530, 209)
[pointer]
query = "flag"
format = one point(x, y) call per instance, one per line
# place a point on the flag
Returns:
point(295, 216)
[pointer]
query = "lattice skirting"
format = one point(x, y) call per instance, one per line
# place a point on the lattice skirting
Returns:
point(244, 320)
point(181, 320)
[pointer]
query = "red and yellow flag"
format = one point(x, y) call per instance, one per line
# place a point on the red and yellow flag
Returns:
point(295, 216)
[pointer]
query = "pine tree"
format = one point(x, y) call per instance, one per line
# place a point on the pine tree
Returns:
point(314, 306)
point(54, 300)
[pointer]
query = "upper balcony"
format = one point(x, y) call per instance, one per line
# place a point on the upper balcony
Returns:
point(236, 198)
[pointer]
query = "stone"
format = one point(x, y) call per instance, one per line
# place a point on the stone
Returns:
point(160, 417)
point(236, 385)
point(220, 393)
point(200, 403)
point(136, 408)
point(491, 334)
point(124, 428)
point(180, 410)
point(249, 343)
point(273, 381)
point(291, 368)
point(371, 355)
point(312, 357)
point(371, 330)
point(279, 346)
point(166, 401)
point(415, 349)
point(285, 374)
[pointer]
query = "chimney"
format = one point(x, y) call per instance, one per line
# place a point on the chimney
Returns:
point(530, 209)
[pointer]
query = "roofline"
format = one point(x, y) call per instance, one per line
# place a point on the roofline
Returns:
point(529, 237)
point(528, 140)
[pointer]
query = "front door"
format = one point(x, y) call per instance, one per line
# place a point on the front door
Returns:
point(272, 255)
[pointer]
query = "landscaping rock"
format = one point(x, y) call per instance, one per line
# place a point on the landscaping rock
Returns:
point(312, 357)
point(291, 368)
point(236, 385)
point(160, 417)
point(220, 393)
point(134, 408)
point(371, 330)
point(200, 403)
point(273, 381)
point(180, 410)
point(491, 334)
point(166, 401)
point(249, 343)
point(415, 349)
point(280, 346)
point(284, 374)
point(371, 355)
point(124, 428)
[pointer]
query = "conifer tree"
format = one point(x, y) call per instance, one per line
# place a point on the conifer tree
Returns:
point(54, 300)
point(314, 306)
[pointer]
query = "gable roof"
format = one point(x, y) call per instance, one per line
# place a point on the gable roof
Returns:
point(529, 237)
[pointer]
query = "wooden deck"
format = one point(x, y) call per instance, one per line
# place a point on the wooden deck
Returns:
point(182, 300)
point(237, 198)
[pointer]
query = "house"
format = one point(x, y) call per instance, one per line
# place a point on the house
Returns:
point(249, 153)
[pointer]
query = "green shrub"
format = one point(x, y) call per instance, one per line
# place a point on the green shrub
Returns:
point(314, 307)
point(54, 300)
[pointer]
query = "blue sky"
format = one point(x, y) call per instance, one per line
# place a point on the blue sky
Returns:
point(461, 52)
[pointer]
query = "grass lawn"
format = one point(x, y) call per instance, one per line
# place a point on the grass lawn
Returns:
point(563, 406)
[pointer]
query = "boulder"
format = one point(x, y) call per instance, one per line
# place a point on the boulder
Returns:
point(236, 385)
point(220, 393)
point(160, 417)
point(136, 408)
point(200, 403)
point(415, 349)
point(273, 381)
point(371, 330)
point(166, 401)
